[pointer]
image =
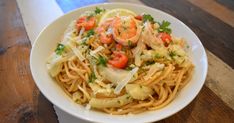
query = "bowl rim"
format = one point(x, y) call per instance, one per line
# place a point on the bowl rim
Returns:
point(202, 79)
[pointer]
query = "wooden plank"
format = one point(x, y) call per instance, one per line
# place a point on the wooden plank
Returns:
point(228, 3)
point(205, 108)
point(220, 79)
point(216, 9)
point(215, 35)
point(21, 101)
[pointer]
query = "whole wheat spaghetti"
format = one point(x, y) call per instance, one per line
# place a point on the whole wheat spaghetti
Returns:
point(119, 62)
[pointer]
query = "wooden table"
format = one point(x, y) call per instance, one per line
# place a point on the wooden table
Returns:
point(212, 21)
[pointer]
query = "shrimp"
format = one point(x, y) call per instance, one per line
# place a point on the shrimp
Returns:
point(104, 31)
point(148, 37)
point(126, 29)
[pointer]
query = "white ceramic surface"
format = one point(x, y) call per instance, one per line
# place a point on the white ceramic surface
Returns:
point(50, 36)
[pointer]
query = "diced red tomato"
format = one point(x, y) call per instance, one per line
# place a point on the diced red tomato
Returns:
point(87, 23)
point(119, 60)
point(165, 37)
point(138, 17)
point(118, 47)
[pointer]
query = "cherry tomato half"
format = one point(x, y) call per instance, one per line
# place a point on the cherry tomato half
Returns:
point(165, 37)
point(87, 22)
point(138, 17)
point(119, 60)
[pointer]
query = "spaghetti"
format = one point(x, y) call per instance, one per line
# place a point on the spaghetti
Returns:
point(122, 63)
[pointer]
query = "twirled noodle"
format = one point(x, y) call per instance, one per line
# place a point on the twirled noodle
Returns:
point(93, 79)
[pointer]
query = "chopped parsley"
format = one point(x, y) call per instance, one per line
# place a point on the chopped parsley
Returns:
point(102, 61)
point(149, 62)
point(143, 28)
point(128, 97)
point(124, 49)
point(90, 16)
point(90, 33)
point(130, 44)
point(172, 42)
point(128, 68)
point(98, 10)
point(83, 43)
point(172, 53)
point(60, 48)
point(164, 27)
point(148, 17)
point(125, 28)
point(157, 56)
point(92, 77)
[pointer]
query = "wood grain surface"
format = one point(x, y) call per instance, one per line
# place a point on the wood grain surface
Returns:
point(205, 108)
point(21, 101)
point(228, 3)
point(215, 9)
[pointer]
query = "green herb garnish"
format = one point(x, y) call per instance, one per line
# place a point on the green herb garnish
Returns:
point(149, 62)
point(148, 17)
point(128, 97)
point(128, 68)
point(172, 53)
point(60, 48)
point(98, 10)
point(124, 49)
point(83, 43)
point(130, 44)
point(157, 56)
point(143, 28)
point(90, 16)
point(90, 33)
point(164, 27)
point(92, 77)
point(102, 61)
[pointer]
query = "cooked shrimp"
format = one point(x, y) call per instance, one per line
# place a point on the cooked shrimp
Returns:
point(126, 29)
point(104, 31)
point(149, 38)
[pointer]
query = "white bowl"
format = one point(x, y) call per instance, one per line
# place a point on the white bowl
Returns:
point(50, 36)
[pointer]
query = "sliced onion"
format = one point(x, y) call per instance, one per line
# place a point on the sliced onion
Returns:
point(125, 81)
point(153, 69)
point(77, 52)
point(54, 63)
point(111, 74)
point(69, 32)
point(98, 49)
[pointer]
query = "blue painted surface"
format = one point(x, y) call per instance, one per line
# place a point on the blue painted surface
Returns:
point(68, 5)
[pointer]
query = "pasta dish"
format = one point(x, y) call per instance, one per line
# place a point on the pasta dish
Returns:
point(120, 62)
